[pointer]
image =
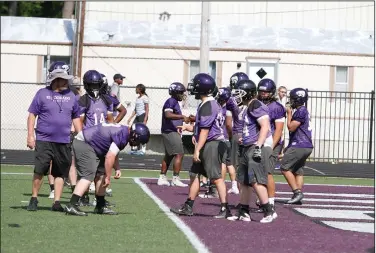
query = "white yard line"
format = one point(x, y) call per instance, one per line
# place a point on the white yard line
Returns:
point(338, 206)
point(346, 195)
point(364, 201)
point(191, 236)
point(335, 185)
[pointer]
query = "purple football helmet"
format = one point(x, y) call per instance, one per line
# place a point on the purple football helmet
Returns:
point(93, 83)
point(59, 65)
point(224, 95)
point(177, 90)
point(266, 90)
point(139, 134)
point(298, 97)
point(244, 90)
point(202, 84)
point(237, 77)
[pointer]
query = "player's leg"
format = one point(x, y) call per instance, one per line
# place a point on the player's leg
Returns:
point(61, 164)
point(231, 169)
point(43, 156)
point(73, 174)
point(194, 188)
point(175, 147)
point(290, 165)
point(235, 153)
point(51, 183)
point(166, 161)
point(101, 206)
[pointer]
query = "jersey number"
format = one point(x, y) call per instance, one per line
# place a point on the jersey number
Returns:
point(101, 119)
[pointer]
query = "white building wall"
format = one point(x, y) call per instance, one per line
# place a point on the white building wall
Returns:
point(350, 16)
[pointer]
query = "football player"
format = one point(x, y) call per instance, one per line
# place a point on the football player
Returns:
point(266, 90)
point(95, 106)
point(95, 149)
point(256, 134)
point(172, 117)
point(300, 143)
point(208, 133)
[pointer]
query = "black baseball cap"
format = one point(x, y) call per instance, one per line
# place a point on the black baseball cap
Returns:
point(118, 76)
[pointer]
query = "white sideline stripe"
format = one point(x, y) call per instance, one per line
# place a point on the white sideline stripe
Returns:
point(320, 172)
point(228, 181)
point(337, 214)
point(364, 227)
point(191, 236)
point(347, 195)
point(334, 200)
point(338, 206)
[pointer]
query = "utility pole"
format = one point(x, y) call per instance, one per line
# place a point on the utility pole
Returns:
point(205, 34)
point(80, 42)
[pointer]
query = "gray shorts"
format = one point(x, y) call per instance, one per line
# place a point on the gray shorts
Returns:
point(294, 159)
point(235, 150)
point(226, 153)
point(266, 161)
point(211, 163)
point(251, 171)
point(173, 143)
point(88, 164)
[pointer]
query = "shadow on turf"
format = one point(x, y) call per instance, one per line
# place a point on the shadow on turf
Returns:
point(43, 195)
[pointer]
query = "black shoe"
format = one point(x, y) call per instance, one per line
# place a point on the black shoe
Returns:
point(84, 201)
point(259, 210)
point(104, 210)
point(224, 213)
point(296, 198)
point(242, 215)
point(56, 207)
point(185, 209)
point(33, 205)
point(74, 210)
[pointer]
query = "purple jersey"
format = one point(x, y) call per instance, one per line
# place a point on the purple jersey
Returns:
point(169, 125)
point(251, 127)
point(55, 111)
point(225, 113)
point(116, 104)
point(100, 137)
point(237, 118)
point(95, 112)
point(302, 137)
point(209, 116)
point(277, 113)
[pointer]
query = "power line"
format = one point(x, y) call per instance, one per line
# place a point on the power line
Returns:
point(235, 13)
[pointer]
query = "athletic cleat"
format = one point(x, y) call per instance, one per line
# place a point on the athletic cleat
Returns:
point(52, 194)
point(267, 219)
point(205, 185)
point(242, 215)
point(66, 182)
point(84, 201)
point(274, 213)
point(92, 188)
point(185, 209)
point(33, 205)
point(234, 190)
point(162, 180)
point(296, 198)
point(258, 203)
point(74, 210)
point(209, 194)
point(106, 203)
point(104, 210)
point(56, 207)
point(224, 213)
point(177, 182)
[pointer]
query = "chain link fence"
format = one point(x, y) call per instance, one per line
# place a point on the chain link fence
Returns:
point(342, 122)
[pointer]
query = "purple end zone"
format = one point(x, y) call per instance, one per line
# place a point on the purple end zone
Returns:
point(290, 232)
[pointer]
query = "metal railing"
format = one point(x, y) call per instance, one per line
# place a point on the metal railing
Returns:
point(342, 122)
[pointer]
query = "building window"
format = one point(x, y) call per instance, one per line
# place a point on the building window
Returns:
point(341, 82)
point(194, 69)
point(53, 58)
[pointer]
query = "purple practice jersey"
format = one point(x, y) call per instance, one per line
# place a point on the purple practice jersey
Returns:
point(96, 112)
point(55, 111)
point(237, 118)
point(251, 128)
point(302, 137)
point(101, 136)
point(225, 113)
point(277, 113)
point(209, 116)
point(169, 125)
point(116, 104)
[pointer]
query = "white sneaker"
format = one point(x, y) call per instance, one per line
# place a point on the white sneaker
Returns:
point(267, 219)
point(163, 180)
point(177, 182)
point(109, 192)
point(234, 190)
point(274, 215)
point(92, 188)
point(52, 195)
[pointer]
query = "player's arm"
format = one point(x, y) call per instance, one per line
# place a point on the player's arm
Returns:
point(278, 131)
point(110, 159)
point(30, 125)
point(228, 123)
point(264, 124)
point(146, 112)
point(122, 112)
point(110, 117)
point(292, 125)
point(204, 132)
point(76, 118)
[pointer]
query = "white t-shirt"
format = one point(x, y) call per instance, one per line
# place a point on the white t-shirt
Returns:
point(140, 105)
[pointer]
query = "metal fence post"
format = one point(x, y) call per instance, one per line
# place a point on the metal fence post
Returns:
point(371, 127)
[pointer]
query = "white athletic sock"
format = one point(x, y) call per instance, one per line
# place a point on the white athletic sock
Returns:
point(234, 184)
point(143, 148)
point(271, 201)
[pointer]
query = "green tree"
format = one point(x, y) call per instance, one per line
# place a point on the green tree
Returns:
point(44, 9)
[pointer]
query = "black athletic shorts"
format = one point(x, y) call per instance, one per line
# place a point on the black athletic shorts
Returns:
point(58, 153)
